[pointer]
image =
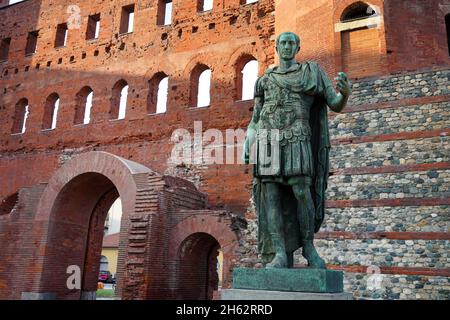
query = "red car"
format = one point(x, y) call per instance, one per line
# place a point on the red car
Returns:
point(105, 276)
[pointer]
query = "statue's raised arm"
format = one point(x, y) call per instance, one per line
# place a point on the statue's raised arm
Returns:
point(338, 100)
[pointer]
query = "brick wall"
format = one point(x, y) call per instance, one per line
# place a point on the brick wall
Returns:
point(4, 3)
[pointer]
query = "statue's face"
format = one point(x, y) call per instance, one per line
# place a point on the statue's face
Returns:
point(287, 47)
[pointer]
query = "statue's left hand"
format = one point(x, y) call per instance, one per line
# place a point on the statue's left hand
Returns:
point(343, 85)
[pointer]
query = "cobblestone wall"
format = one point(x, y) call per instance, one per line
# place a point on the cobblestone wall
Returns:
point(373, 160)
point(388, 219)
point(386, 121)
point(384, 153)
point(385, 252)
point(398, 287)
point(432, 184)
point(390, 88)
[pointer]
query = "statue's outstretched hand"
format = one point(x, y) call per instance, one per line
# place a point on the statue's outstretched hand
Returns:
point(343, 85)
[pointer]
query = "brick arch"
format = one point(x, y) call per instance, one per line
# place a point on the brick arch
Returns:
point(216, 227)
point(247, 50)
point(196, 60)
point(120, 171)
point(358, 5)
point(159, 65)
point(73, 207)
point(343, 5)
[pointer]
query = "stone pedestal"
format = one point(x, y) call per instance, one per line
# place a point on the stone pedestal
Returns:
point(286, 284)
point(242, 294)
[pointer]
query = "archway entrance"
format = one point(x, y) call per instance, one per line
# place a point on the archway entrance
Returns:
point(203, 248)
point(198, 267)
point(110, 249)
point(75, 205)
point(76, 235)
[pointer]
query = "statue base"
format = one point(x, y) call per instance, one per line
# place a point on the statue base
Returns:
point(286, 284)
point(242, 294)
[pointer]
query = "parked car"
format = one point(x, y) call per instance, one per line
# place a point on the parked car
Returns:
point(105, 276)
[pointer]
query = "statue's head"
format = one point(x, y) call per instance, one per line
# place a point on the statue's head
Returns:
point(287, 45)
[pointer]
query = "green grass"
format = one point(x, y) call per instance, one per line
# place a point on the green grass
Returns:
point(103, 293)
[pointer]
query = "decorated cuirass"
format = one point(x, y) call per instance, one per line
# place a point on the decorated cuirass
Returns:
point(285, 111)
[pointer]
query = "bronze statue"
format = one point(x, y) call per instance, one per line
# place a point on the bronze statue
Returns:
point(289, 135)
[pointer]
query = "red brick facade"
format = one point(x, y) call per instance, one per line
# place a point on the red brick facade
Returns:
point(53, 208)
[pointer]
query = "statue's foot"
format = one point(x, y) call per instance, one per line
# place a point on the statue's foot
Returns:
point(280, 261)
point(313, 258)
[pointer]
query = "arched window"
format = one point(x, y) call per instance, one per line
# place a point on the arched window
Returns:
point(246, 76)
point(360, 42)
point(83, 106)
point(158, 88)
point(204, 5)
point(119, 100)
point(204, 88)
point(50, 112)
point(21, 114)
point(447, 25)
point(200, 86)
point(356, 11)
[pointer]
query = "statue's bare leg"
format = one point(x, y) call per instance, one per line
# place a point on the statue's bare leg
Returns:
point(275, 224)
point(306, 213)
